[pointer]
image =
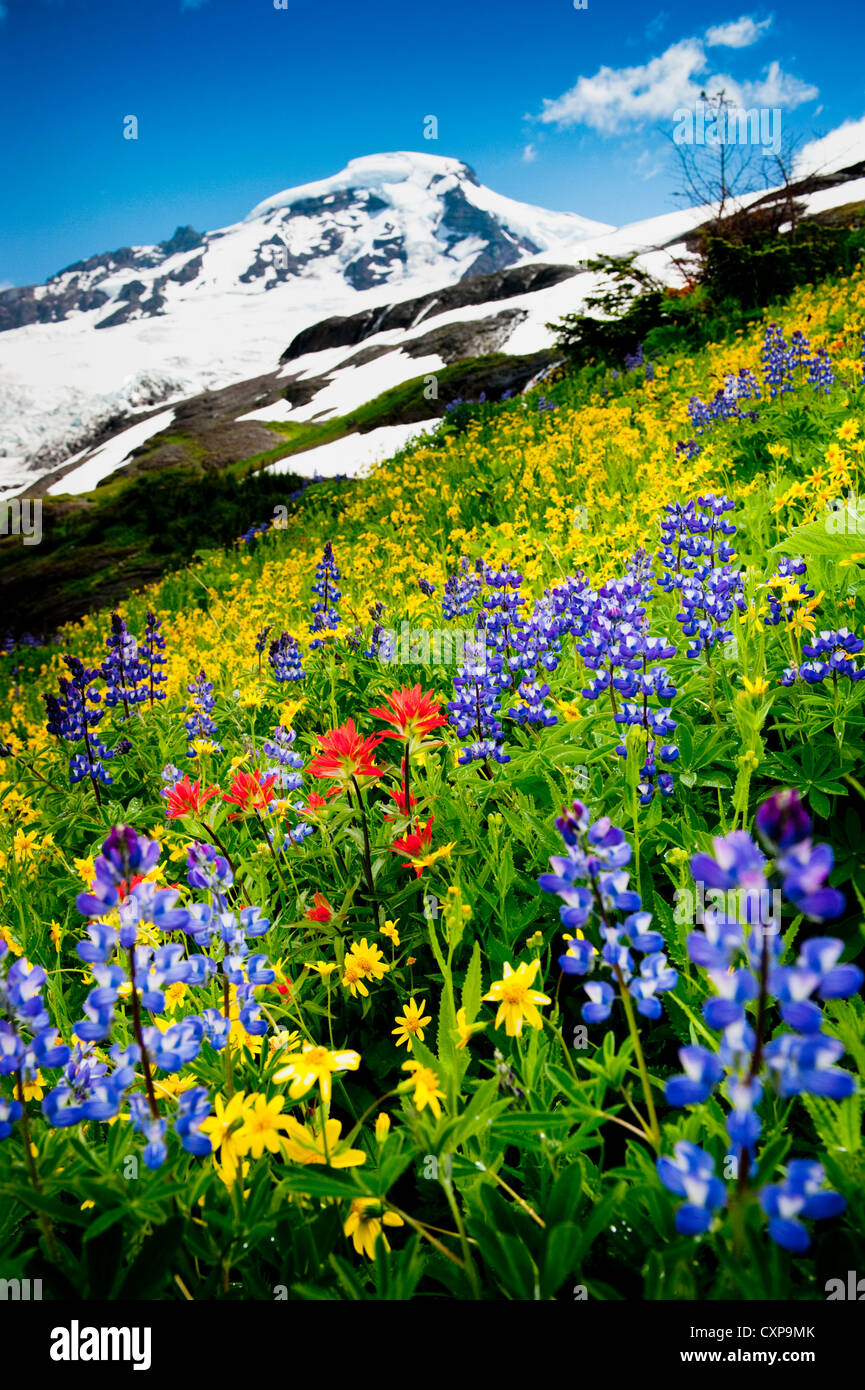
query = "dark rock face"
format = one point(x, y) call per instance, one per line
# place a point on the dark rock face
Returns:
point(133, 291)
point(368, 271)
point(133, 306)
point(184, 239)
point(106, 260)
point(19, 306)
point(77, 286)
point(187, 272)
point(274, 255)
point(480, 289)
point(456, 341)
point(462, 219)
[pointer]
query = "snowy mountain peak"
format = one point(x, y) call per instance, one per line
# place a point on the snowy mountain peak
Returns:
point(143, 324)
point(371, 172)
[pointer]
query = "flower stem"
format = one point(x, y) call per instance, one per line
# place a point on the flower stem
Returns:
point(44, 1220)
point(139, 1038)
point(367, 853)
point(274, 857)
point(468, 1262)
point(226, 1009)
point(654, 1127)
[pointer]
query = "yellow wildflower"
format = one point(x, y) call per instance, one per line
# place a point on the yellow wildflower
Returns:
point(516, 999)
point(410, 1024)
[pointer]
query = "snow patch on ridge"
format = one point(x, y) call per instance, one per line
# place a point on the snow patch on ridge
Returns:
point(352, 455)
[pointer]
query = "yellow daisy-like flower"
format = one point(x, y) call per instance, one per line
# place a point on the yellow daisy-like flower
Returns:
point(363, 962)
point(315, 1066)
point(390, 931)
point(382, 1127)
point(288, 711)
point(174, 995)
point(230, 1164)
point(364, 1223)
point(262, 1125)
point(324, 967)
point(756, 687)
point(56, 934)
point(353, 980)
point(85, 869)
point(173, 1085)
point(201, 746)
point(427, 1091)
point(426, 861)
point(516, 999)
point(305, 1144)
point(6, 935)
point(24, 843)
point(284, 1038)
point(570, 711)
point(226, 1121)
point(466, 1031)
point(33, 1089)
point(411, 1024)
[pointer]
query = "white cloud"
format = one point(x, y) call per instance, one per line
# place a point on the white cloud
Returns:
point(842, 146)
point(739, 33)
point(530, 154)
point(776, 88)
point(615, 98)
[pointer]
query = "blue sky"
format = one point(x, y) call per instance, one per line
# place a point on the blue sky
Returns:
point(236, 99)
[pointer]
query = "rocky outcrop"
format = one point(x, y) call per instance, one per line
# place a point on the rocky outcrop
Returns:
point(408, 313)
point(454, 342)
point(22, 305)
point(76, 287)
point(133, 306)
point(463, 220)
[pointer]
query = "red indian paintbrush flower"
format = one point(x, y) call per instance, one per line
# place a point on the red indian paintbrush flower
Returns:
point(413, 714)
point(186, 798)
point(345, 753)
point(250, 792)
point(321, 912)
point(415, 845)
point(399, 799)
point(418, 850)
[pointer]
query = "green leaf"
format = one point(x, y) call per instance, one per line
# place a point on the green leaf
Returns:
point(471, 991)
point(560, 1257)
point(846, 536)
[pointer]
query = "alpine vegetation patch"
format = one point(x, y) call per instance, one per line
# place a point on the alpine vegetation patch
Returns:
point(76, 1343)
point(22, 517)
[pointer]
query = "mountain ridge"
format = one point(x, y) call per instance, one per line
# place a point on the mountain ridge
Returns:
point(201, 309)
point(323, 292)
